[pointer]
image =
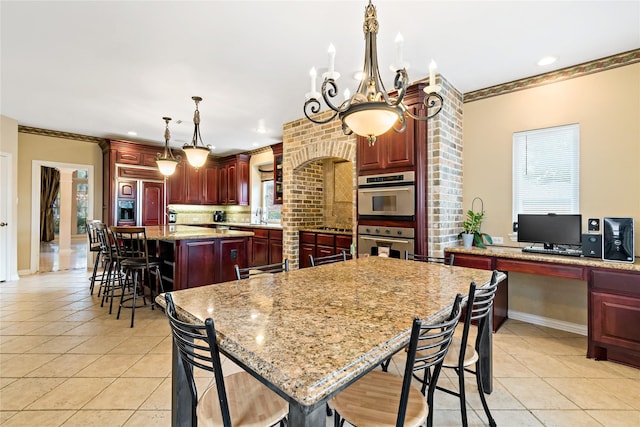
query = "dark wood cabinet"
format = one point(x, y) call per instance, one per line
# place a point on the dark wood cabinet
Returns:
point(127, 189)
point(210, 184)
point(277, 173)
point(614, 316)
point(233, 180)
point(322, 244)
point(152, 203)
point(264, 247)
point(176, 185)
point(193, 186)
point(392, 151)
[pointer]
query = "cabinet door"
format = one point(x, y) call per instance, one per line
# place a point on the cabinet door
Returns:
point(232, 184)
point(277, 173)
point(126, 189)
point(176, 185)
point(615, 320)
point(399, 147)
point(306, 249)
point(260, 252)
point(242, 183)
point(275, 246)
point(210, 183)
point(193, 185)
point(223, 190)
point(232, 252)
point(152, 203)
point(369, 157)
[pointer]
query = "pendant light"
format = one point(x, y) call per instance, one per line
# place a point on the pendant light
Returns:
point(196, 152)
point(166, 162)
point(370, 111)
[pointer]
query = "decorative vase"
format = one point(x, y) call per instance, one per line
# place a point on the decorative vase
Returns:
point(467, 240)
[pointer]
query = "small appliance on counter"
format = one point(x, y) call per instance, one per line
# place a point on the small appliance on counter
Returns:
point(173, 216)
point(219, 216)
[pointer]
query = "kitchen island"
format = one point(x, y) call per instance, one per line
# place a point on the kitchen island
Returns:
point(197, 256)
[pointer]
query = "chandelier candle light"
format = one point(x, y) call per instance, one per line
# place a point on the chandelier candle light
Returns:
point(196, 152)
point(166, 162)
point(370, 111)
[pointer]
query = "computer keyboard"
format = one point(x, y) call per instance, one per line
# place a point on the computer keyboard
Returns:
point(563, 252)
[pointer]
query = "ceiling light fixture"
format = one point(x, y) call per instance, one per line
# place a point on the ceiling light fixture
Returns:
point(547, 60)
point(196, 152)
point(370, 111)
point(166, 162)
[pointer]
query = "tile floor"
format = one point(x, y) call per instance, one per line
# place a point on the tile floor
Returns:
point(65, 361)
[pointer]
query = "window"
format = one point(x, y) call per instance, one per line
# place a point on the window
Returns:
point(546, 171)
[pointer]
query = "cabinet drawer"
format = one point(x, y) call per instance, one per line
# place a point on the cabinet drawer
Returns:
point(149, 159)
point(616, 281)
point(343, 242)
point(306, 237)
point(260, 233)
point(471, 261)
point(275, 234)
point(325, 239)
point(548, 269)
point(129, 157)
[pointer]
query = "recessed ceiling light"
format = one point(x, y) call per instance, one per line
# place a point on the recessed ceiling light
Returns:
point(132, 133)
point(547, 60)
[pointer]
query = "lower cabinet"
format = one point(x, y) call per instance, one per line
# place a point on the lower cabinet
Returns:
point(265, 247)
point(614, 316)
point(322, 244)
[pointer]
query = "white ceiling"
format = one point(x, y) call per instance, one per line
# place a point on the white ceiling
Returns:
point(104, 68)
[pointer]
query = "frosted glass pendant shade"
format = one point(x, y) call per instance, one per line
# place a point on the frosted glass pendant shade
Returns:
point(196, 156)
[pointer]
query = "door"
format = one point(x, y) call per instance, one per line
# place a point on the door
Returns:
point(4, 217)
point(152, 205)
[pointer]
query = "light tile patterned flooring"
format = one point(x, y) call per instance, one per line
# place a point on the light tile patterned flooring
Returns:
point(65, 361)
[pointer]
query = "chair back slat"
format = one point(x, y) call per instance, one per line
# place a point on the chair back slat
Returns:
point(246, 272)
point(328, 259)
point(131, 243)
point(426, 258)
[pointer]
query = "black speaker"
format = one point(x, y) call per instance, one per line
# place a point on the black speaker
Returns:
point(617, 240)
point(592, 245)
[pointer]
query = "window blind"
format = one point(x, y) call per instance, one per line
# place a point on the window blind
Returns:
point(546, 171)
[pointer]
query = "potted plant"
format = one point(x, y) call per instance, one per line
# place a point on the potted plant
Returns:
point(471, 230)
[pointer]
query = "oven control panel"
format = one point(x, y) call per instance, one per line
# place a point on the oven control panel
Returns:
point(398, 232)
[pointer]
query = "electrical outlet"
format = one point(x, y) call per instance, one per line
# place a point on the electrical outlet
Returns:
point(497, 240)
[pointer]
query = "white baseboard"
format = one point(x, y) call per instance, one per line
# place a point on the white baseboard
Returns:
point(575, 328)
point(24, 272)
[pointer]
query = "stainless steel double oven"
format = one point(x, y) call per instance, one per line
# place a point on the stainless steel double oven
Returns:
point(384, 199)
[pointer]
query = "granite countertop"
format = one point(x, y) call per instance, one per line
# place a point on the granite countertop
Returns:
point(516, 253)
point(187, 232)
point(312, 331)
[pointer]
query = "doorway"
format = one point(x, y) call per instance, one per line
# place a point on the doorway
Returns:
point(6, 238)
point(48, 256)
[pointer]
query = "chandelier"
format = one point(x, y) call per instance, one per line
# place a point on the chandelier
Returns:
point(196, 152)
point(370, 111)
point(166, 162)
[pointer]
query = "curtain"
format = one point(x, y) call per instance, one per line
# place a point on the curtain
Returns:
point(49, 187)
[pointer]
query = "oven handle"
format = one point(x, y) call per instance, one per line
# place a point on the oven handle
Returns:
point(378, 190)
point(384, 240)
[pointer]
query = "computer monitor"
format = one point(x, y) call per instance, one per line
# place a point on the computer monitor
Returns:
point(550, 229)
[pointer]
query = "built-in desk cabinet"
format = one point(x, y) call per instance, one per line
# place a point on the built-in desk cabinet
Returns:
point(614, 316)
point(613, 297)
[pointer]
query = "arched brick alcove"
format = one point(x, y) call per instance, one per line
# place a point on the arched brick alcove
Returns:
point(305, 146)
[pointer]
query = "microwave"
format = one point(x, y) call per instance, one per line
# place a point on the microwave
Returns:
point(387, 195)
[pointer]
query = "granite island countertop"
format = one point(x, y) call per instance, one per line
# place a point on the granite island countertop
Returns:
point(312, 331)
point(188, 232)
point(516, 253)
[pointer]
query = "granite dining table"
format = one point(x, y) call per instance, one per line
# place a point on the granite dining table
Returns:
point(309, 333)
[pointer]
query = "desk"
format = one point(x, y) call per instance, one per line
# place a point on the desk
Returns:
point(307, 334)
point(613, 294)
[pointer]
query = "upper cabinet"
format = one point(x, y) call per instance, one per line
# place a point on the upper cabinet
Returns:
point(277, 173)
point(392, 150)
point(219, 182)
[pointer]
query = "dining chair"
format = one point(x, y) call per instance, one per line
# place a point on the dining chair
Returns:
point(384, 399)
point(427, 258)
point(94, 248)
point(243, 273)
point(134, 260)
point(461, 355)
point(237, 399)
point(327, 259)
